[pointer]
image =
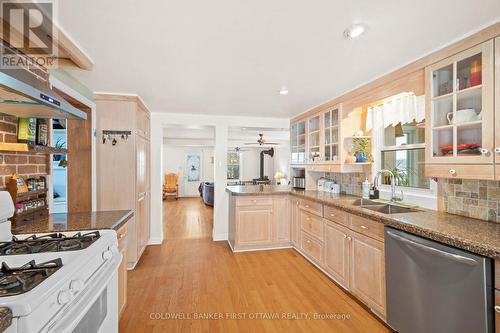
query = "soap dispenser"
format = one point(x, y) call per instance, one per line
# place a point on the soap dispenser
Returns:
point(366, 189)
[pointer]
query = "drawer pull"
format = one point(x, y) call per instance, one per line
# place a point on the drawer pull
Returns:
point(332, 215)
point(497, 150)
point(453, 172)
point(345, 236)
point(254, 201)
point(308, 241)
point(307, 206)
point(121, 236)
point(497, 308)
point(484, 151)
point(364, 227)
point(349, 238)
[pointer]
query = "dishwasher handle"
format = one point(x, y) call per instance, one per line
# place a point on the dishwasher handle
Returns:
point(455, 257)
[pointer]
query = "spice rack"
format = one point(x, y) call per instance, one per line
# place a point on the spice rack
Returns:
point(30, 206)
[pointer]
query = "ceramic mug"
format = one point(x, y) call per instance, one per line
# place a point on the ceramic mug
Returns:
point(462, 116)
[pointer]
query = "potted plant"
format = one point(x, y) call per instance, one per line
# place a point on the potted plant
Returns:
point(361, 149)
point(60, 144)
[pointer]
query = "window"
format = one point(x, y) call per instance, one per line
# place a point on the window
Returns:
point(233, 165)
point(403, 153)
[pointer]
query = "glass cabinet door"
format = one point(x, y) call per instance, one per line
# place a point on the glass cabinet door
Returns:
point(298, 142)
point(330, 134)
point(461, 107)
point(314, 136)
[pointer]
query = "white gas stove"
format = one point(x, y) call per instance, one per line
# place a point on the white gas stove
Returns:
point(60, 282)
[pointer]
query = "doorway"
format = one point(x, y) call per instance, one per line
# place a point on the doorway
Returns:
point(59, 168)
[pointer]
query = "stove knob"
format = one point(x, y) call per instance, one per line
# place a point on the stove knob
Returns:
point(106, 255)
point(76, 285)
point(64, 297)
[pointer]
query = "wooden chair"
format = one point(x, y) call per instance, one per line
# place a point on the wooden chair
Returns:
point(170, 186)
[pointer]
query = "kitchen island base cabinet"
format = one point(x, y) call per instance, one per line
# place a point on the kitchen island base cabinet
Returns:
point(254, 226)
point(258, 223)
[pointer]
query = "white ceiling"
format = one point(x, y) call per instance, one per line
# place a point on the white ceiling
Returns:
point(231, 57)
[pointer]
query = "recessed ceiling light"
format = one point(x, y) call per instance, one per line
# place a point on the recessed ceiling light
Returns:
point(283, 91)
point(354, 31)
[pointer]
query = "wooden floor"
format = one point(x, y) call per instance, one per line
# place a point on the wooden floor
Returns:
point(189, 275)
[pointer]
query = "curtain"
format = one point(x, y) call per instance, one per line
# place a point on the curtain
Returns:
point(402, 109)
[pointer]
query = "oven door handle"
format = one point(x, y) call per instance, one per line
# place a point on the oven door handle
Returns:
point(75, 312)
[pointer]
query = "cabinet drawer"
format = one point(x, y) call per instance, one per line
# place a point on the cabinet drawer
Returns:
point(312, 207)
point(462, 171)
point(311, 223)
point(367, 227)
point(311, 247)
point(254, 201)
point(336, 215)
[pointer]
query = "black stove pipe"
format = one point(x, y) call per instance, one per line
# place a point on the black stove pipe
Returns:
point(269, 152)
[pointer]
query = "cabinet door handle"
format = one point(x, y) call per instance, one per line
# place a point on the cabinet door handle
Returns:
point(307, 206)
point(332, 215)
point(308, 219)
point(453, 172)
point(349, 238)
point(484, 151)
point(254, 201)
point(345, 236)
point(121, 236)
point(497, 150)
point(364, 227)
point(497, 308)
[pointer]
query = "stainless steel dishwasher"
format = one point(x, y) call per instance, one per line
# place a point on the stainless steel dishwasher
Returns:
point(435, 288)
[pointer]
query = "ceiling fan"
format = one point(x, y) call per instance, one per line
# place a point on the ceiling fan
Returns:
point(261, 141)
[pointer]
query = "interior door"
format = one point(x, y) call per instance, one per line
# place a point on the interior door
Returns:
point(192, 173)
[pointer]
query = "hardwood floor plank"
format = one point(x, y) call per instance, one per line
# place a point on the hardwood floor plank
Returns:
point(190, 274)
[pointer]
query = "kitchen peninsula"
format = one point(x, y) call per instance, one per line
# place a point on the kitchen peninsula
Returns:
point(343, 235)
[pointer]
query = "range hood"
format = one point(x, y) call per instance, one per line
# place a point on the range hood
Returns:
point(26, 92)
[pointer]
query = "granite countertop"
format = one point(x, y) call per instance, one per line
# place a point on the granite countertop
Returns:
point(470, 234)
point(5, 318)
point(258, 189)
point(77, 221)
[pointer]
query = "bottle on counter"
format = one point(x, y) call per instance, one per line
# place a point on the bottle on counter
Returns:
point(366, 189)
point(374, 193)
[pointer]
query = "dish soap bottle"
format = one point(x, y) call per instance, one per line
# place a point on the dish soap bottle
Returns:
point(366, 189)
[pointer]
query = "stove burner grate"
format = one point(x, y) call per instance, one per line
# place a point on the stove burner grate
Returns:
point(55, 242)
point(18, 280)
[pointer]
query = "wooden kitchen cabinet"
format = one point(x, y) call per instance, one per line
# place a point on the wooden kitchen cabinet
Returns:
point(460, 111)
point(337, 252)
point(122, 270)
point(123, 176)
point(497, 108)
point(295, 216)
point(281, 219)
point(367, 271)
point(254, 225)
point(298, 142)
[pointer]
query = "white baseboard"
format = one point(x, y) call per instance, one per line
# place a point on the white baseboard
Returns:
point(155, 241)
point(219, 237)
point(278, 247)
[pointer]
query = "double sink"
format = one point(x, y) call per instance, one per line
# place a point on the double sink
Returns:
point(382, 207)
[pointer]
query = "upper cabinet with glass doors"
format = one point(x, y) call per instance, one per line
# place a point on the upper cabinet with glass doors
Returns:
point(331, 127)
point(459, 108)
point(314, 139)
point(298, 142)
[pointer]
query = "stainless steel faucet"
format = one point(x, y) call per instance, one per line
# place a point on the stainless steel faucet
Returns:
point(394, 197)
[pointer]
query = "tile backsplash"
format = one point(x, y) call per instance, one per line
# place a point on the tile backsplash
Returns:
point(350, 183)
point(478, 199)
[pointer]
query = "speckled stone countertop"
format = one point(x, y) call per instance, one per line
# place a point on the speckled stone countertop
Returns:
point(473, 235)
point(77, 221)
point(5, 318)
point(258, 189)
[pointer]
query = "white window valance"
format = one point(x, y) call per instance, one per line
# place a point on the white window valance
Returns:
point(403, 109)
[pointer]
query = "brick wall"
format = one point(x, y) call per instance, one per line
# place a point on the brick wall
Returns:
point(24, 164)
